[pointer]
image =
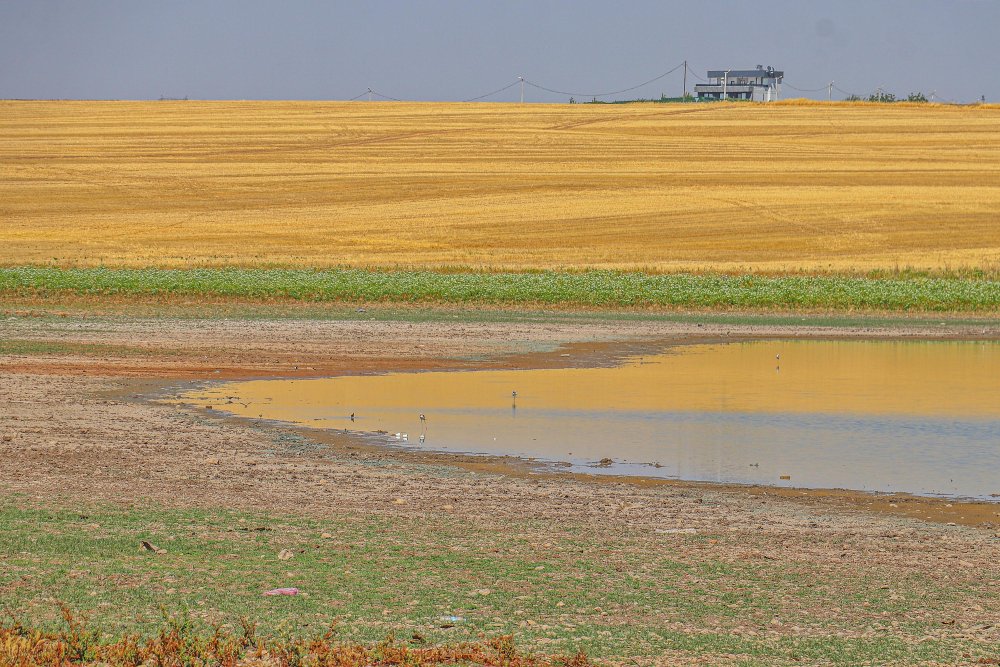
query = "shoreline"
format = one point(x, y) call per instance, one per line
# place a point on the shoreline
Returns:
point(948, 510)
point(162, 368)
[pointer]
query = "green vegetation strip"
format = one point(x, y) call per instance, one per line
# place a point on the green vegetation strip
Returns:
point(38, 348)
point(446, 582)
point(591, 288)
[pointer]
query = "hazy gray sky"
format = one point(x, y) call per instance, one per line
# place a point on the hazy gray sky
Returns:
point(456, 49)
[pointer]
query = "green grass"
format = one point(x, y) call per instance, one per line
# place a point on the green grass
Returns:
point(35, 347)
point(591, 289)
point(395, 575)
point(42, 348)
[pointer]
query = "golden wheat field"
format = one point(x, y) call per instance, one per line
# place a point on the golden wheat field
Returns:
point(661, 187)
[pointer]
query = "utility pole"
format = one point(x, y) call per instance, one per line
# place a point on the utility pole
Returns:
point(521, 78)
point(369, 94)
point(725, 82)
point(685, 80)
point(829, 92)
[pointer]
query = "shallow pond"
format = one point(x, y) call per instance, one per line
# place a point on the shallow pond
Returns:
point(920, 417)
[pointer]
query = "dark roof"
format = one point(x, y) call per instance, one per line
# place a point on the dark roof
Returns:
point(719, 73)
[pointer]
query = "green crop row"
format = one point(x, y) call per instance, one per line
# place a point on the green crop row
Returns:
point(592, 288)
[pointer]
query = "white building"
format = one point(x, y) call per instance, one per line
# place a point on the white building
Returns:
point(760, 85)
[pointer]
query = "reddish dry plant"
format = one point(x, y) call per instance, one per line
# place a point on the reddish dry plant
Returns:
point(179, 643)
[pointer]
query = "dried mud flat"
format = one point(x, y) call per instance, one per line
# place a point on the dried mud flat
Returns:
point(87, 421)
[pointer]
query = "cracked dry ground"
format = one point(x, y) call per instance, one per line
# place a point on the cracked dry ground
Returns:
point(72, 430)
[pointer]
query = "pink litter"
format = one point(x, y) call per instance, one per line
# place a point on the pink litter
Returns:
point(282, 591)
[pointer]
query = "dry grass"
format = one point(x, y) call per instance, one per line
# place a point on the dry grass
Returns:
point(179, 643)
point(789, 187)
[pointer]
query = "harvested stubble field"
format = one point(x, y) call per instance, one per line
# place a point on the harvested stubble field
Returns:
point(713, 187)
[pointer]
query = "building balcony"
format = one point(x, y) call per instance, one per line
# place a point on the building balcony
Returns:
point(752, 91)
point(730, 89)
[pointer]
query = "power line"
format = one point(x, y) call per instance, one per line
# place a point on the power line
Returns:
point(378, 94)
point(830, 87)
point(805, 90)
point(498, 90)
point(614, 92)
point(841, 90)
point(692, 71)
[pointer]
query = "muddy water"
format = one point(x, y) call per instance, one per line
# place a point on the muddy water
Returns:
point(920, 417)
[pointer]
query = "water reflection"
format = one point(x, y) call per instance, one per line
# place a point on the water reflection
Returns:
point(921, 416)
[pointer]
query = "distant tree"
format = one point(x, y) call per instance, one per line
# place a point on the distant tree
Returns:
point(572, 100)
point(852, 98)
point(916, 97)
point(882, 97)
